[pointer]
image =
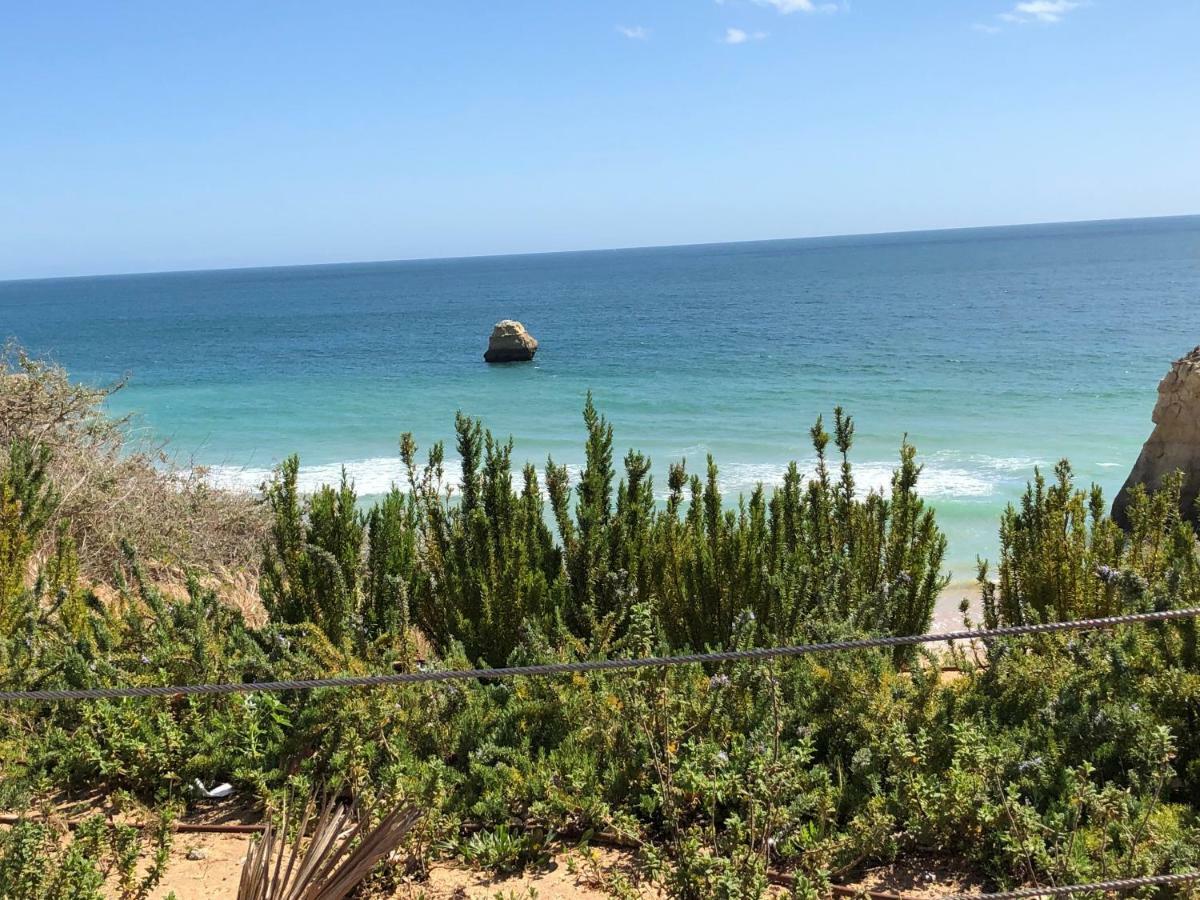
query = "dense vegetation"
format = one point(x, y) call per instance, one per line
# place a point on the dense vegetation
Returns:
point(478, 565)
point(1051, 759)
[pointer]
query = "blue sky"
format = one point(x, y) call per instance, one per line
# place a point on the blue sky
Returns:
point(146, 136)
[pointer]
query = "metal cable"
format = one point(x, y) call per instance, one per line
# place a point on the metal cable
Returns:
point(1120, 884)
point(599, 665)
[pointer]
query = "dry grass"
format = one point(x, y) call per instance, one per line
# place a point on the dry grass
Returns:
point(115, 488)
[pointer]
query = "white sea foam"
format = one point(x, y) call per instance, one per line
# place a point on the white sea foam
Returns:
point(941, 476)
point(1024, 464)
point(935, 481)
point(370, 476)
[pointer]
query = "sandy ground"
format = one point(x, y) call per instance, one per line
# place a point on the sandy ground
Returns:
point(214, 875)
point(574, 874)
point(947, 614)
point(208, 866)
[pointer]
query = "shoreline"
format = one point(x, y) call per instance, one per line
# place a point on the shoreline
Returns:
point(946, 613)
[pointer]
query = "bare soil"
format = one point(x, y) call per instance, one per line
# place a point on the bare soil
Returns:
point(207, 866)
point(586, 875)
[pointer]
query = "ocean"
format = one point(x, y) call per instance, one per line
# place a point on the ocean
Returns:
point(995, 350)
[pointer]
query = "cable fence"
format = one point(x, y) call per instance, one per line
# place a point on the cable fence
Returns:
point(598, 665)
point(1114, 886)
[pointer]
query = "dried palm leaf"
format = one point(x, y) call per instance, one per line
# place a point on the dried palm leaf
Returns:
point(333, 862)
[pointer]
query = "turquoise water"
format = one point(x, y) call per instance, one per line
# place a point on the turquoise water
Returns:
point(994, 349)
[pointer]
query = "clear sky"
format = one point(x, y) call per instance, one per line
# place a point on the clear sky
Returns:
point(157, 135)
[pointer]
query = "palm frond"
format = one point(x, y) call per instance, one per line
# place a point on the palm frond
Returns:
point(330, 864)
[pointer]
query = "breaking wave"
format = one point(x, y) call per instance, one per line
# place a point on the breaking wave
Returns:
point(945, 475)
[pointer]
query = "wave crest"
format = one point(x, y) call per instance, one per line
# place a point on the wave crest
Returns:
point(943, 476)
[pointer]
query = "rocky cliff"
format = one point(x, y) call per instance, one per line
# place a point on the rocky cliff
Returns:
point(1174, 445)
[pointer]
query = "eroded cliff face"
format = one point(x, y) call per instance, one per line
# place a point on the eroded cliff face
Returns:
point(1174, 445)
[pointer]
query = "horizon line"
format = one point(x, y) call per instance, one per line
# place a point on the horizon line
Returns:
point(621, 249)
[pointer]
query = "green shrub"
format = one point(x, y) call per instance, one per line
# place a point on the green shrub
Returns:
point(1052, 758)
point(39, 862)
point(481, 566)
point(1062, 557)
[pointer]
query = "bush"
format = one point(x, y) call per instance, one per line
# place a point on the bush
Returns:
point(480, 566)
point(39, 862)
point(1062, 557)
point(115, 488)
point(1052, 758)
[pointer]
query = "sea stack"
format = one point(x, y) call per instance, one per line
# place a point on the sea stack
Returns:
point(1174, 445)
point(510, 342)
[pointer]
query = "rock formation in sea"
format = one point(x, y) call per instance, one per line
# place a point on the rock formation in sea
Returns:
point(1174, 445)
point(510, 342)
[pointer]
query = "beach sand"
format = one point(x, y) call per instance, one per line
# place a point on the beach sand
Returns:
point(582, 873)
point(947, 612)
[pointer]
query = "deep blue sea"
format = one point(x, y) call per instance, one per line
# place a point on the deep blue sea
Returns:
point(994, 349)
